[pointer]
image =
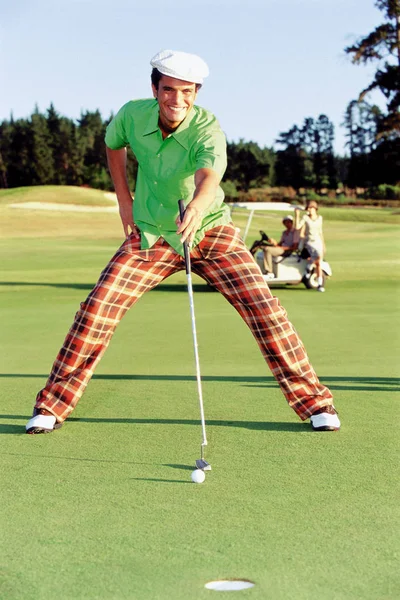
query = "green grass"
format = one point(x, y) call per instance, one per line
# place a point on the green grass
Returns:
point(58, 194)
point(350, 215)
point(104, 508)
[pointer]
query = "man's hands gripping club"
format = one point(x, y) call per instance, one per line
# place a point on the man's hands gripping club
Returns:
point(207, 182)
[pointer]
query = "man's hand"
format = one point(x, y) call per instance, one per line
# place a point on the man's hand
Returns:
point(206, 182)
point(117, 165)
point(126, 214)
point(190, 224)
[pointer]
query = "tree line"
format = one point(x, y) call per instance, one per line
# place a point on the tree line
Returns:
point(48, 148)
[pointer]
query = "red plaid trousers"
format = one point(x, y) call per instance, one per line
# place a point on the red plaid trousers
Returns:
point(224, 262)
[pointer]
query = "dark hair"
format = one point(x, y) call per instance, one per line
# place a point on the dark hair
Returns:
point(156, 76)
point(312, 204)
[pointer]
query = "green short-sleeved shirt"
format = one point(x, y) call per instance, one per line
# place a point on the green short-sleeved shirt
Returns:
point(167, 167)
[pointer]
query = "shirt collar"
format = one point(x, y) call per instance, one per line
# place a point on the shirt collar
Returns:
point(181, 135)
point(152, 125)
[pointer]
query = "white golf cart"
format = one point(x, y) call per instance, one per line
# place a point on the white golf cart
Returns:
point(290, 268)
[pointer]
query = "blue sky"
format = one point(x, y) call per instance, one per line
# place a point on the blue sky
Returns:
point(272, 62)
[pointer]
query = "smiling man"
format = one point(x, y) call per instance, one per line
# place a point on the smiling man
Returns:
point(181, 153)
point(175, 99)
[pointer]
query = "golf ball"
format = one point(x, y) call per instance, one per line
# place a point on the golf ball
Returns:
point(198, 476)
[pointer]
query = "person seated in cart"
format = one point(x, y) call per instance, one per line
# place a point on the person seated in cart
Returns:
point(288, 242)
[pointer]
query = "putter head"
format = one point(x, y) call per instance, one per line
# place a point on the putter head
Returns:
point(203, 465)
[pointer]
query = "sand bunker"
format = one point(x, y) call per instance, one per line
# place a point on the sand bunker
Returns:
point(64, 207)
point(70, 207)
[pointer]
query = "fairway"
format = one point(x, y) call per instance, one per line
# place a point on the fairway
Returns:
point(105, 508)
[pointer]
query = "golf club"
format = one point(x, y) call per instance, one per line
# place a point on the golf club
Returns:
point(201, 463)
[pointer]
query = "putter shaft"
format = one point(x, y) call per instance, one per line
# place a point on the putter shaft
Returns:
point(194, 333)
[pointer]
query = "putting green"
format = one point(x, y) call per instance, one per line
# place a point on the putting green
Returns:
point(105, 508)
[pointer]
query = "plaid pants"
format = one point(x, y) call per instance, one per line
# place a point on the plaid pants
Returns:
point(224, 262)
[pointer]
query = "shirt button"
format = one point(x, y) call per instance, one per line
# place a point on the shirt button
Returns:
point(158, 155)
point(155, 183)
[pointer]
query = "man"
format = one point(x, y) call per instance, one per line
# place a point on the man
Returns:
point(181, 152)
point(287, 243)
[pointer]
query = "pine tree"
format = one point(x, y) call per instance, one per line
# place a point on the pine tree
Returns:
point(248, 165)
point(92, 149)
point(290, 166)
point(307, 159)
point(5, 145)
point(58, 142)
point(382, 46)
point(324, 159)
point(20, 168)
point(43, 161)
point(361, 121)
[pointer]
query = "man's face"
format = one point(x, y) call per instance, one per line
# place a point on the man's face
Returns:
point(175, 98)
point(288, 224)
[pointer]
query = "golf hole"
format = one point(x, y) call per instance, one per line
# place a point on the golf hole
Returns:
point(229, 585)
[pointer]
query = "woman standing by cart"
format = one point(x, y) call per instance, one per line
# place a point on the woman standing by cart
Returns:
point(312, 239)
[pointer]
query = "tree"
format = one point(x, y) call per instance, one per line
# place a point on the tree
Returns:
point(307, 159)
point(324, 159)
point(91, 130)
point(361, 121)
point(382, 46)
point(20, 168)
point(43, 161)
point(63, 147)
point(290, 162)
point(5, 146)
point(248, 165)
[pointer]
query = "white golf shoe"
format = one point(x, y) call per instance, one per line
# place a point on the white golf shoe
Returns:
point(40, 423)
point(326, 419)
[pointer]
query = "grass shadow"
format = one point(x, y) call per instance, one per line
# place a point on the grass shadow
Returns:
point(253, 425)
point(162, 287)
point(345, 383)
point(11, 429)
point(48, 457)
point(152, 479)
point(184, 467)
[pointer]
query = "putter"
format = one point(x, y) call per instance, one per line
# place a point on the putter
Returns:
point(201, 463)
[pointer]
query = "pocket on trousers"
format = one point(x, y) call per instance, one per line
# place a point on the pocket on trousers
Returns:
point(223, 239)
point(132, 245)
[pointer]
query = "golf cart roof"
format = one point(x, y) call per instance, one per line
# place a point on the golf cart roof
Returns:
point(253, 206)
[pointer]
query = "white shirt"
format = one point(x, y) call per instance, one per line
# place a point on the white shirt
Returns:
point(312, 230)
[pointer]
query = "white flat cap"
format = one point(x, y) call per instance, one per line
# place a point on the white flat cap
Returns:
point(180, 65)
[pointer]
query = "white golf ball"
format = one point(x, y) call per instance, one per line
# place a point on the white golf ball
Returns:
point(198, 476)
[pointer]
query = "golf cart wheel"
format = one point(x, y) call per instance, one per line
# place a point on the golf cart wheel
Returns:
point(311, 282)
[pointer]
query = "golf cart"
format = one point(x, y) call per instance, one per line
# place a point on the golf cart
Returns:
point(291, 267)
